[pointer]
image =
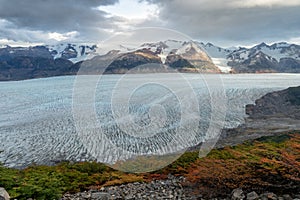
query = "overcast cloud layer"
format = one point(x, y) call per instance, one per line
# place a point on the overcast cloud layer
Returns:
point(223, 22)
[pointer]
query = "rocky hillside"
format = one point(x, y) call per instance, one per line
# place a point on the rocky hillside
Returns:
point(279, 57)
point(285, 103)
point(272, 114)
point(18, 63)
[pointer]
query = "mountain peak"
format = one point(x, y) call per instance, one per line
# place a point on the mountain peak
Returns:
point(261, 45)
point(209, 44)
point(280, 45)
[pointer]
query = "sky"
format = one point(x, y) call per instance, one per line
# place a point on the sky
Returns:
point(225, 23)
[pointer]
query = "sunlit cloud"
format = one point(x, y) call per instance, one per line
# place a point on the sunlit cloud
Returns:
point(223, 22)
point(131, 10)
point(62, 36)
point(264, 3)
point(12, 43)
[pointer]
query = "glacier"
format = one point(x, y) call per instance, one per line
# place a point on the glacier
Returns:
point(37, 122)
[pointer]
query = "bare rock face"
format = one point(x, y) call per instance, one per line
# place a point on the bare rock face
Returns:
point(272, 114)
point(285, 103)
point(262, 58)
point(256, 63)
point(191, 58)
point(19, 63)
point(139, 61)
point(3, 194)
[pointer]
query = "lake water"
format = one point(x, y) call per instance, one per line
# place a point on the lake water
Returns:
point(50, 119)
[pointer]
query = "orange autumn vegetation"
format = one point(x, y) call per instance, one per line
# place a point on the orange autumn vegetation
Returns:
point(259, 165)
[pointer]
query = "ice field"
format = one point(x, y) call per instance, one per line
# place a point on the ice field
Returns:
point(118, 116)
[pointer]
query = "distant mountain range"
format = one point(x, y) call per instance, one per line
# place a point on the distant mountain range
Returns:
point(17, 63)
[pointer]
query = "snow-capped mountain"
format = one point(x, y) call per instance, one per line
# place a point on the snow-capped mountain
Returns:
point(186, 56)
point(218, 55)
point(278, 57)
point(72, 52)
point(276, 51)
point(170, 54)
point(52, 60)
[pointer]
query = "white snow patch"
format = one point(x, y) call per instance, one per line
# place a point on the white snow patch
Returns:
point(221, 63)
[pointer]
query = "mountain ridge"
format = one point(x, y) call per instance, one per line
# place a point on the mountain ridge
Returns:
point(17, 63)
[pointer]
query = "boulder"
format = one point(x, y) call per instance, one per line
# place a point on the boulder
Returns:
point(252, 196)
point(3, 194)
point(237, 194)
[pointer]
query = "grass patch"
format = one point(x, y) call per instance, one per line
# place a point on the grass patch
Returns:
point(51, 182)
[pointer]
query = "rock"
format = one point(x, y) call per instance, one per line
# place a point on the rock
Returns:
point(129, 197)
point(100, 196)
point(252, 196)
point(249, 109)
point(272, 196)
point(157, 189)
point(284, 103)
point(268, 195)
point(3, 194)
point(297, 196)
point(237, 194)
point(287, 197)
point(85, 195)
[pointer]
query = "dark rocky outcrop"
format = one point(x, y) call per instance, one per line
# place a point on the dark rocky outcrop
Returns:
point(285, 103)
point(137, 61)
point(10, 53)
point(272, 114)
point(258, 62)
point(24, 67)
point(289, 65)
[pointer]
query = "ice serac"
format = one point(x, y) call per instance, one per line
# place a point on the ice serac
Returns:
point(43, 129)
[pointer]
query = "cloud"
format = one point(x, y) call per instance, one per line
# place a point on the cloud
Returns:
point(60, 17)
point(232, 22)
point(224, 22)
point(264, 3)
